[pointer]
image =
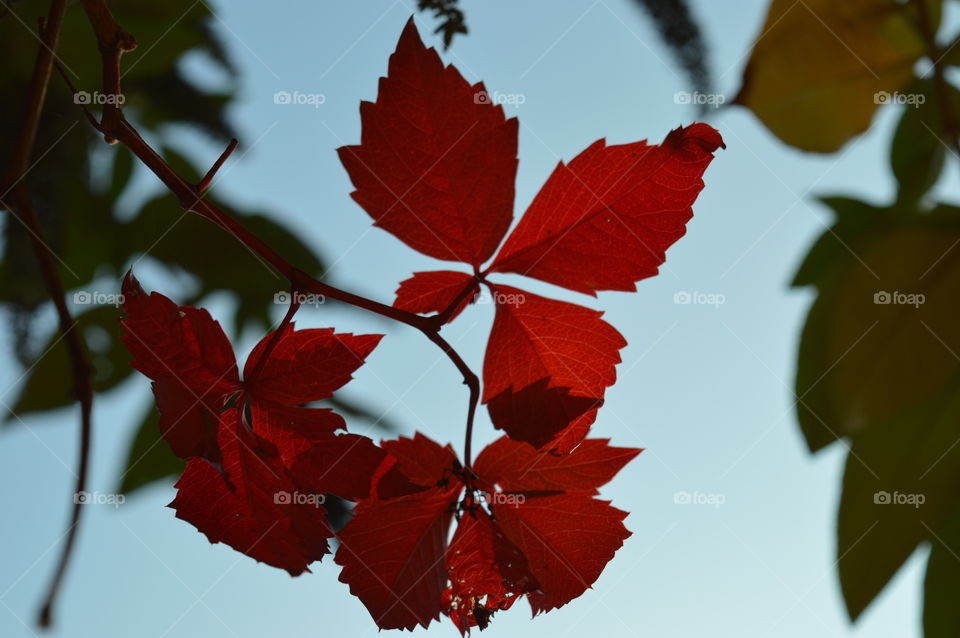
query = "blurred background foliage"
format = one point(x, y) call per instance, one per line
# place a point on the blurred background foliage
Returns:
point(878, 371)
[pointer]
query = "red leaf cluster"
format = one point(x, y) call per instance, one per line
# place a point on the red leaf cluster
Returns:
point(259, 465)
point(436, 167)
point(528, 524)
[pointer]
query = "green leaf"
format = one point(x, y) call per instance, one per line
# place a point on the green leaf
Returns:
point(917, 152)
point(49, 382)
point(853, 218)
point(149, 458)
point(878, 365)
point(901, 481)
point(818, 65)
point(941, 614)
point(122, 170)
point(863, 359)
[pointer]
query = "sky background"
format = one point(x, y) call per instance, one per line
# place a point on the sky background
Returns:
point(707, 390)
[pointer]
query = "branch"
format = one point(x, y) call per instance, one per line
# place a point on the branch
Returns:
point(113, 43)
point(16, 197)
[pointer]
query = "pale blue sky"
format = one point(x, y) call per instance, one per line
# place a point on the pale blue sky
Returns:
point(708, 391)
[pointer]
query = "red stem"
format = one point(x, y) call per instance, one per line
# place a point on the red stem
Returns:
point(287, 318)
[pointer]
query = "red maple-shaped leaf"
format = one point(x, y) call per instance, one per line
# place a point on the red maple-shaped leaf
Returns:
point(392, 549)
point(605, 220)
point(547, 366)
point(252, 505)
point(191, 362)
point(435, 291)
point(516, 468)
point(528, 525)
point(437, 161)
point(436, 166)
point(487, 572)
point(306, 365)
point(259, 464)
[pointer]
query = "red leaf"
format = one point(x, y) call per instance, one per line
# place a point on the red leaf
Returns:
point(188, 423)
point(306, 365)
point(435, 291)
point(487, 572)
point(167, 340)
point(517, 467)
point(423, 460)
point(343, 465)
point(544, 417)
point(437, 161)
point(392, 554)
point(567, 539)
point(546, 357)
point(244, 461)
point(191, 362)
point(294, 430)
point(542, 541)
point(605, 220)
point(251, 505)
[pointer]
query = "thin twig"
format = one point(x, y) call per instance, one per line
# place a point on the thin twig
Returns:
point(208, 178)
point(19, 200)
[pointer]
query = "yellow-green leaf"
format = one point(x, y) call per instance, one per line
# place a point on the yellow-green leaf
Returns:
point(820, 68)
